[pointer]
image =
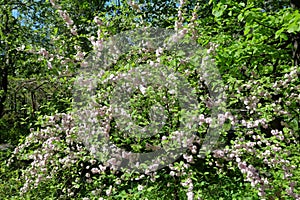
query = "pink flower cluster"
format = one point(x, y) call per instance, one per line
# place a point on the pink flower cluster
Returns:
point(65, 17)
point(189, 184)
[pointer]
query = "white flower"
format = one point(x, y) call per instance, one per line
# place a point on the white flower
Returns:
point(190, 195)
point(159, 51)
point(79, 55)
point(49, 64)
point(108, 191)
point(74, 30)
point(142, 89)
point(172, 173)
point(95, 171)
point(140, 187)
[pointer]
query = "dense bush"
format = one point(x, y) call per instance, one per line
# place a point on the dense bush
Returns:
point(257, 153)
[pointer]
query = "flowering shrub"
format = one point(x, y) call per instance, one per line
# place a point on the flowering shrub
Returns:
point(256, 155)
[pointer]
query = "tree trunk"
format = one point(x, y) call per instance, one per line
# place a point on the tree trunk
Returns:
point(4, 71)
point(3, 87)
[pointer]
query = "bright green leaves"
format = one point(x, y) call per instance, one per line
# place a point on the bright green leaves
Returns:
point(292, 22)
point(294, 27)
point(289, 24)
point(280, 34)
point(219, 10)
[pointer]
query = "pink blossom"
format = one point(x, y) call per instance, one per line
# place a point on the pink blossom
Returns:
point(52, 2)
point(97, 20)
point(66, 17)
point(74, 31)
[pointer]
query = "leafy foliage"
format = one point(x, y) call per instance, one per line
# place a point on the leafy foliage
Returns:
point(254, 46)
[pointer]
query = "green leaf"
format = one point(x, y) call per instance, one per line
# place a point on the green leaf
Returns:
point(293, 28)
point(242, 4)
point(247, 30)
point(284, 36)
point(278, 33)
point(241, 17)
point(219, 10)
